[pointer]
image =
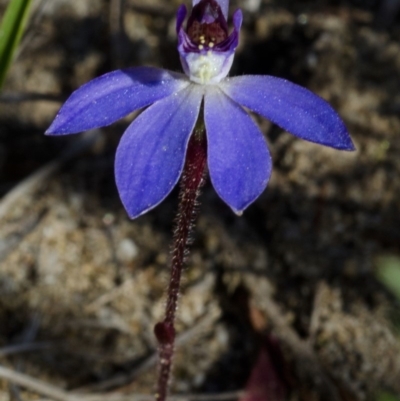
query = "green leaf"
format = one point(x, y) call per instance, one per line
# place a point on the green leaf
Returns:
point(389, 273)
point(387, 397)
point(11, 29)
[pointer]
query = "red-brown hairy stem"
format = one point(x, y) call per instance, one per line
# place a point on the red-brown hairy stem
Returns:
point(190, 187)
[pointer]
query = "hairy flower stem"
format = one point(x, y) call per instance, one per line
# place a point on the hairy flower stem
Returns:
point(190, 187)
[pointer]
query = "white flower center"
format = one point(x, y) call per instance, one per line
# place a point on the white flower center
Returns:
point(208, 68)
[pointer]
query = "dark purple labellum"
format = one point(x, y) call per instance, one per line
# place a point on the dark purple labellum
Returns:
point(205, 34)
point(207, 25)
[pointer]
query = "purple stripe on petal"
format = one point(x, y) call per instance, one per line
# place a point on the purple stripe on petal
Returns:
point(180, 17)
point(151, 154)
point(112, 96)
point(224, 4)
point(238, 157)
point(290, 106)
point(232, 41)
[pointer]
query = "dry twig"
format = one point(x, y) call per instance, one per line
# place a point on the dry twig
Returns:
point(123, 379)
point(58, 394)
point(307, 364)
point(23, 348)
point(16, 97)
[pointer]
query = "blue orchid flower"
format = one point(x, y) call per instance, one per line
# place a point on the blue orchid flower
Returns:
point(151, 154)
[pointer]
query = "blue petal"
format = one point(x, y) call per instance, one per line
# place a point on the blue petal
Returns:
point(151, 154)
point(112, 96)
point(238, 157)
point(237, 19)
point(290, 106)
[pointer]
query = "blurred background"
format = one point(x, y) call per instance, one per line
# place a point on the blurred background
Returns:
point(298, 299)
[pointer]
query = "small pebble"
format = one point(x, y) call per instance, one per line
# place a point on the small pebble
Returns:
point(127, 251)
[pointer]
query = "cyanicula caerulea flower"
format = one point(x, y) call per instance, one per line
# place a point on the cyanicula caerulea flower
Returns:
point(152, 151)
